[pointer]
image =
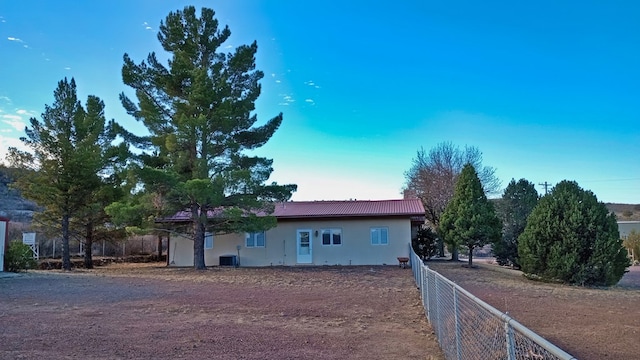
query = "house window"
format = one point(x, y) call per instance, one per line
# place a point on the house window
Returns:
point(380, 236)
point(331, 237)
point(255, 239)
point(208, 240)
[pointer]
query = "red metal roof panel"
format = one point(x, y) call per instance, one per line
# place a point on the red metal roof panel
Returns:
point(346, 208)
point(295, 209)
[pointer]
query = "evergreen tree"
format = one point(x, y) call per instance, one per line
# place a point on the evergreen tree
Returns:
point(571, 237)
point(518, 200)
point(69, 156)
point(470, 219)
point(425, 244)
point(199, 112)
point(137, 214)
point(433, 175)
point(93, 223)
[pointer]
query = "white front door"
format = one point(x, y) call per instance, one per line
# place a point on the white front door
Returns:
point(304, 247)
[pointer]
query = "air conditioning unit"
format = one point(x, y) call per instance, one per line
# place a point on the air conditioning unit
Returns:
point(229, 260)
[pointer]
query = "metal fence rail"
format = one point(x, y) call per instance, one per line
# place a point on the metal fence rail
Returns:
point(469, 328)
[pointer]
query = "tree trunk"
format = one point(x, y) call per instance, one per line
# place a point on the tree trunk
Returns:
point(454, 254)
point(440, 247)
point(168, 249)
point(198, 240)
point(159, 246)
point(66, 257)
point(471, 256)
point(88, 245)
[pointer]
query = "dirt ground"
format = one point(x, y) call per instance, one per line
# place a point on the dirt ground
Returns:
point(148, 311)
point(589, 323)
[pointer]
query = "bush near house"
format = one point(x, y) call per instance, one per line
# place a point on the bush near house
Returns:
point(426, 243)
point(19, 257)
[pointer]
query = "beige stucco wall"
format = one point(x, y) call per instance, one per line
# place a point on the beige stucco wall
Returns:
point(181, 249)
point(280, 245)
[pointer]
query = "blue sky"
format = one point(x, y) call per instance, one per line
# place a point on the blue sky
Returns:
point(547, 90)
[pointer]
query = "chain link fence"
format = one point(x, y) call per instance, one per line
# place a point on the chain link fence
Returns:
point(469, 328)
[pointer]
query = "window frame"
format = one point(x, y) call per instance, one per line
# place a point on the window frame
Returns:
point(332, 232)
point(208, 235)
point(378, 240)
point(248, 236)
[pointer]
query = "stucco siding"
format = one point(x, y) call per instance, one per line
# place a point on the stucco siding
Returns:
point(356, 247)
point(223, 245)
point(281, 244)
point(180, 251)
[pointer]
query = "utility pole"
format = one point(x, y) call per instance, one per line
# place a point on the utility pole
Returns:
point(546, 187)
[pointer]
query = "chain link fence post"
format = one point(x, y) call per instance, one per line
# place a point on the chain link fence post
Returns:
point(511, 354)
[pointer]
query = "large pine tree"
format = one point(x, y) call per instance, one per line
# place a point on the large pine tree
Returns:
point(71, 147)
point(470, 219)
point(199, 110)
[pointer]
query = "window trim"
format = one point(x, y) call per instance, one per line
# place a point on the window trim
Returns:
point(208, 235)
point(248, 236)
point(331, 230)
point(378, 230)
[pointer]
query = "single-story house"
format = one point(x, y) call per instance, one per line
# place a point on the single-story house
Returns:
point(315, 233)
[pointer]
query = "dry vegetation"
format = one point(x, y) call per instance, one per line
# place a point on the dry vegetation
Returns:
point(589, 323)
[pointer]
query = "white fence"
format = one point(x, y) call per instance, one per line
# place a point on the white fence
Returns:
point(469, 328)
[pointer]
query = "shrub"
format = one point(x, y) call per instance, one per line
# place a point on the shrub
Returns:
point(19, 257)
point(571, 237)
point(425, 244)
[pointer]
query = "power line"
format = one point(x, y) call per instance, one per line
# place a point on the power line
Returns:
point(546, 187)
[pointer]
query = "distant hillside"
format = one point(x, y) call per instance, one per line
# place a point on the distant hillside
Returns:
point(625, 211)
point(12, 205)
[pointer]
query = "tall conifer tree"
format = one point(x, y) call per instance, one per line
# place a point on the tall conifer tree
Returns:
point(71, 149)
point(470, 219)
point(199, 110)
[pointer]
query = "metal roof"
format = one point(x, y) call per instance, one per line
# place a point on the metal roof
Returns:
point(349, 208)
point(329, 209)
